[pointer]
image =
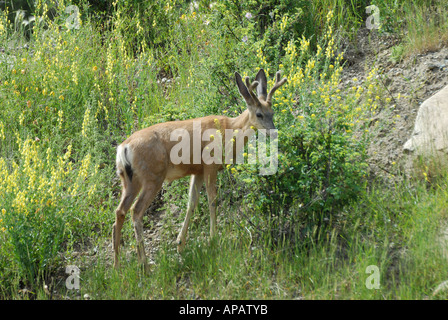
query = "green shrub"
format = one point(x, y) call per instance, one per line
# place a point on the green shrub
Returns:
point(42, 200)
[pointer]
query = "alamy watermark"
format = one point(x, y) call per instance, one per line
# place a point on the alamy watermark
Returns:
point(373, 281)
point(207, 147)
point(72, 281)
point(73, 21)
point(373, 21)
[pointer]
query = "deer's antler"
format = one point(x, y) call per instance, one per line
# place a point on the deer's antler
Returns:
point(251, 87)
point(278, 84)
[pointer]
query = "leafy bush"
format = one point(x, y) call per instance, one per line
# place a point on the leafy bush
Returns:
point(40, 199)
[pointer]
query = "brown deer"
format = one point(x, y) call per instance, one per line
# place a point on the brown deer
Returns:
point(144, 162)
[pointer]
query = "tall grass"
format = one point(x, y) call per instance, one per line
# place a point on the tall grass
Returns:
point(427, 28)
point(399, 232)
point(421, 25)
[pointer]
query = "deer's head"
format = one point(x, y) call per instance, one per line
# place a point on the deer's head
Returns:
point(259, 104)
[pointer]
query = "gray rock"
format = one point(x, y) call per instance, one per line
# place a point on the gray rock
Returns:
point(430, 133)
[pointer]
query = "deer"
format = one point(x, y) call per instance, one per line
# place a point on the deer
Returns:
point(143, 162)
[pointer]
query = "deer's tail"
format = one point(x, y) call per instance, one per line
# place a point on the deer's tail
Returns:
point(124, 161)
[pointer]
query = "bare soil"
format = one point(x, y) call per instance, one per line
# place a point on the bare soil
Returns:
point(415, 78)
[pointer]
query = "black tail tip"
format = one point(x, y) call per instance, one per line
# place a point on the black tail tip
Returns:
point(129, 172)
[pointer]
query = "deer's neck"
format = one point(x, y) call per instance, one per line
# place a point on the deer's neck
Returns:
point(241, 122)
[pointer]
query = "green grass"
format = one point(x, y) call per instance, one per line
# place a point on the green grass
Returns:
point(70, 97)
point(399, 232)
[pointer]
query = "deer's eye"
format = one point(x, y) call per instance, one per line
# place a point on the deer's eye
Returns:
point(259, 115)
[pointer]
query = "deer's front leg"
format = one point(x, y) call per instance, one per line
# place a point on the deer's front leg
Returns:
point(210, 185)
point(193, 197)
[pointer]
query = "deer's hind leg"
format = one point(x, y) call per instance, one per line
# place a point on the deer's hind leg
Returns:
point(130, 191)
point(147, 195)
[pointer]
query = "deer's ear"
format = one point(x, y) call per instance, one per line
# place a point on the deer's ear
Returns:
point(262, 90)
point(242, 88)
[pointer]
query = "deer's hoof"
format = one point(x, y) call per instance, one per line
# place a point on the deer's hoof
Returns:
point(180, 246)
